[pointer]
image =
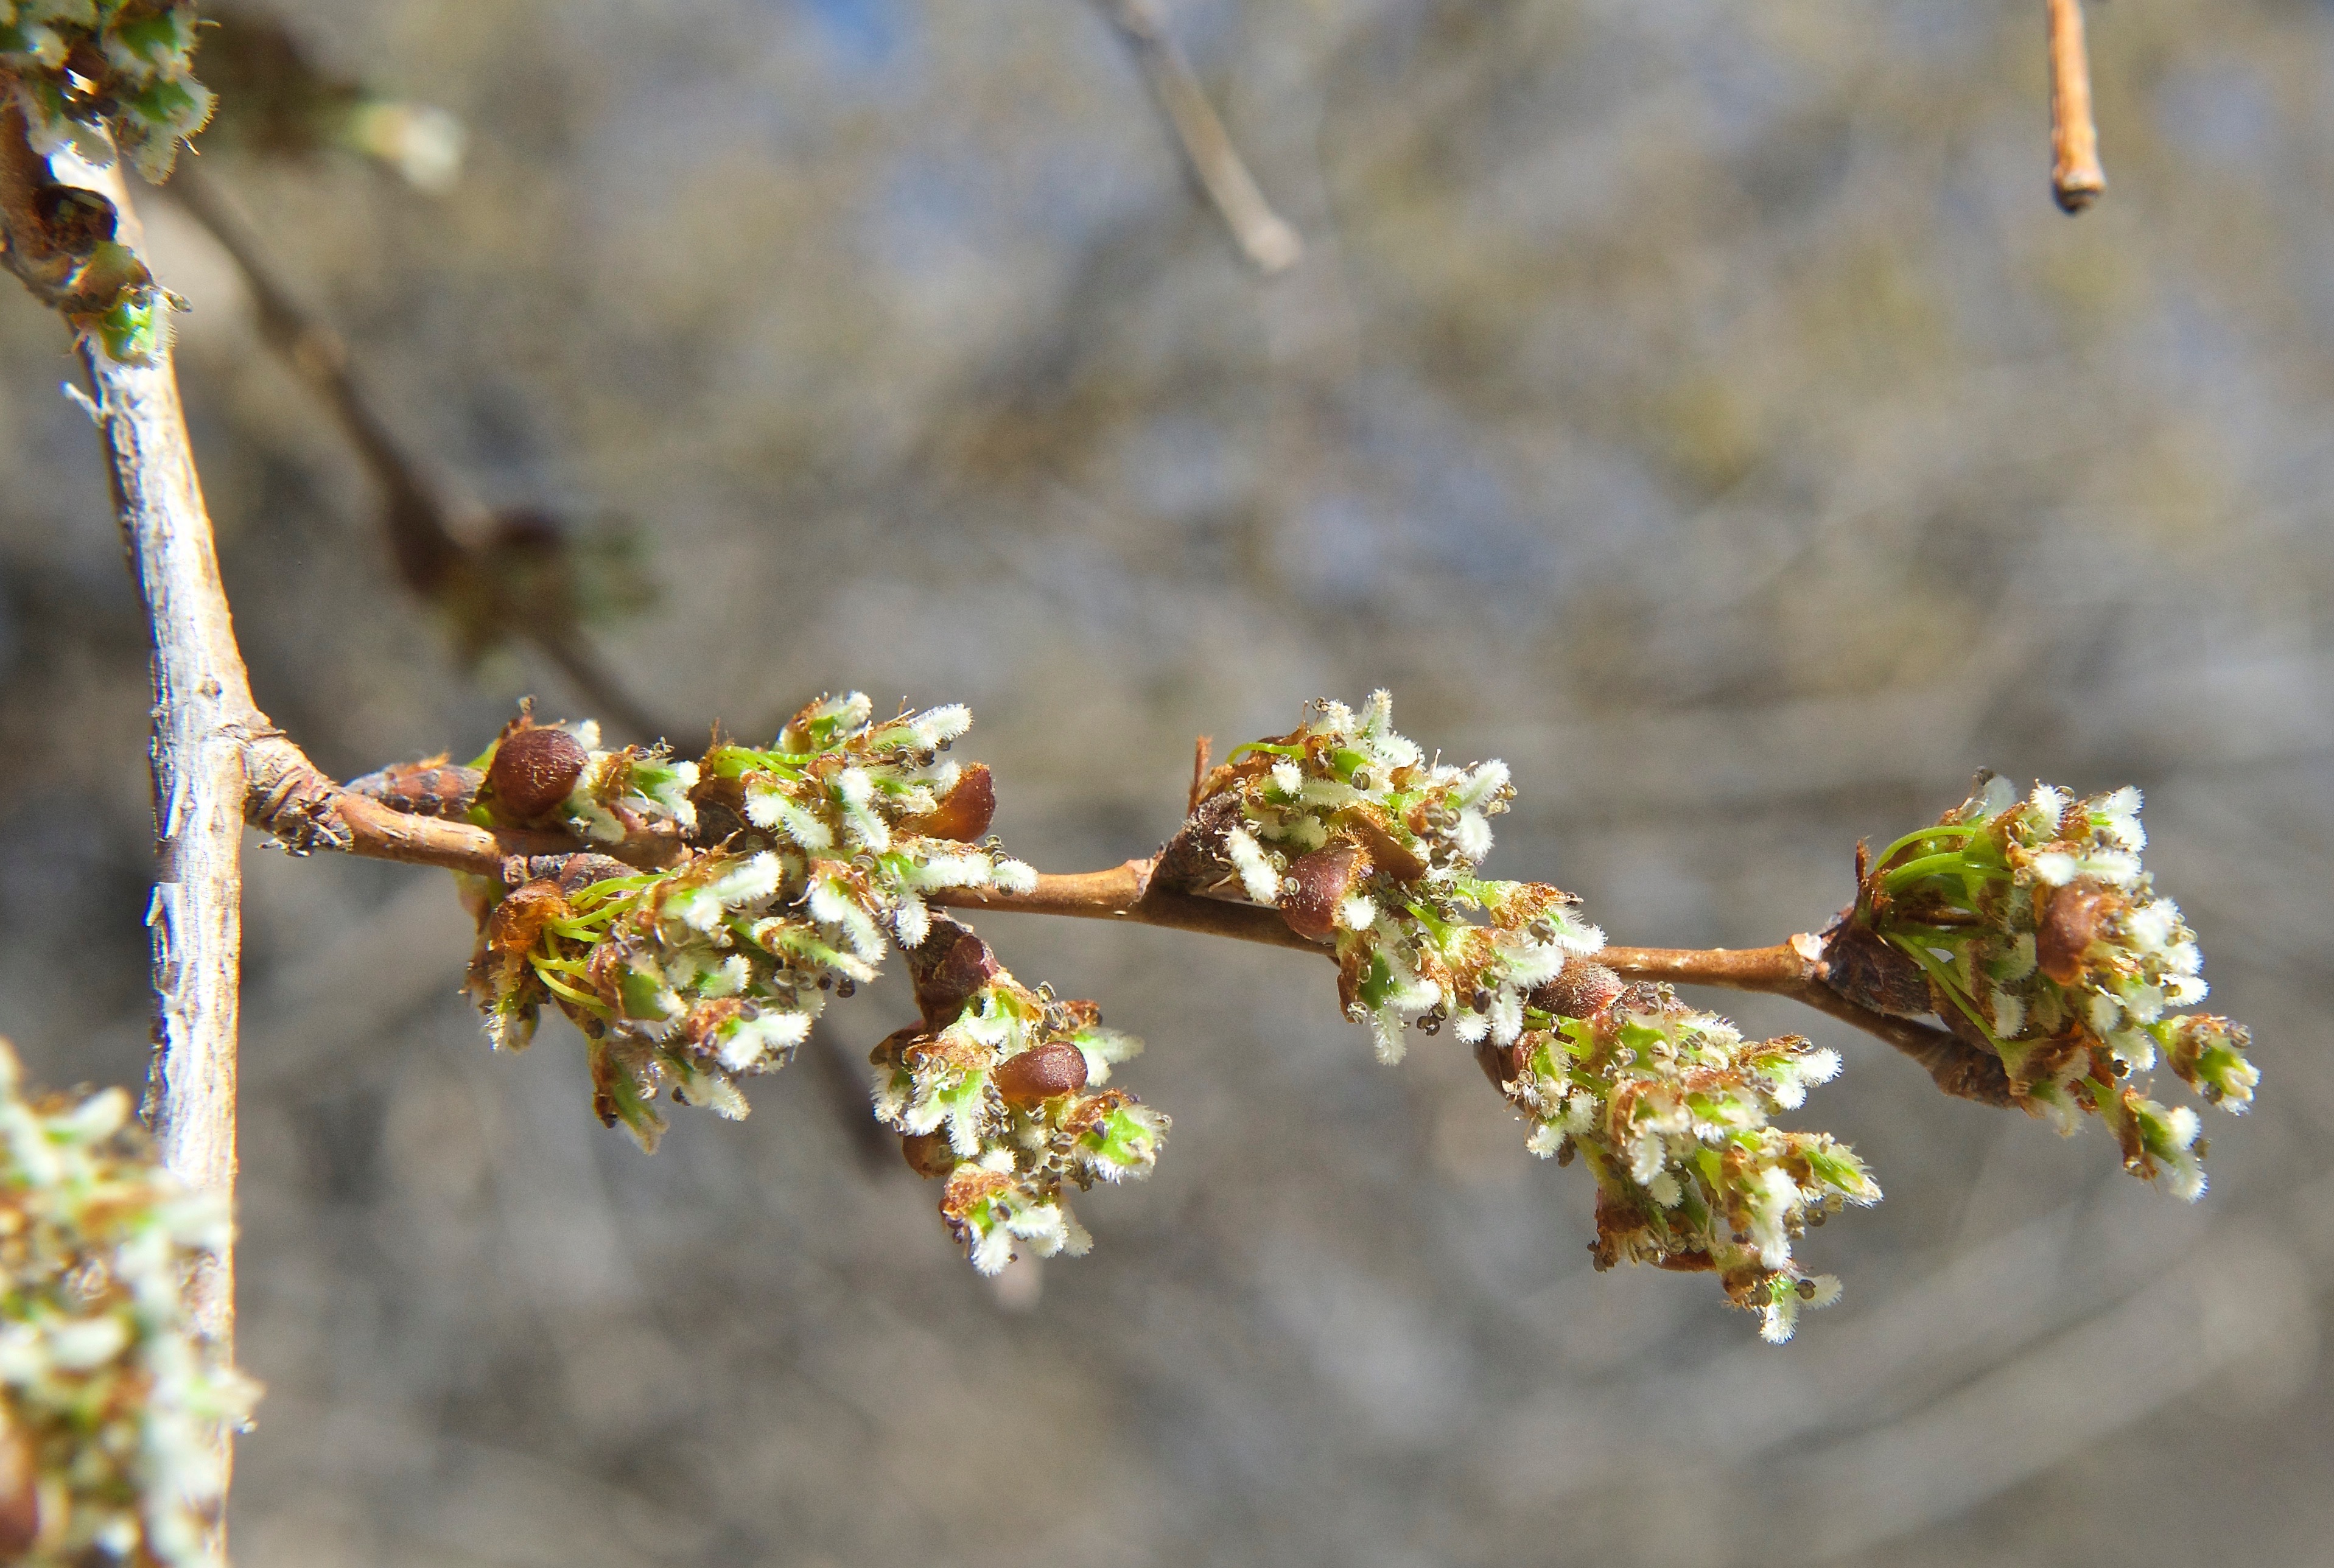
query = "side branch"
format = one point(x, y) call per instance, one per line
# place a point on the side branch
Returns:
point(1126, 893)
point(287, 797)
point(1795, 969)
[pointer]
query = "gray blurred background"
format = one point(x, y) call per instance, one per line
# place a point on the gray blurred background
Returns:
point(1698, 403)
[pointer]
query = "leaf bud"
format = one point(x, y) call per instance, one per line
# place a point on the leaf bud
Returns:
point(1582, 991)
point(948, 968)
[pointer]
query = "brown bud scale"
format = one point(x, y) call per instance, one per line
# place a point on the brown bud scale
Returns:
point(963, 813)
point(1035, 1075)
point(533, 769)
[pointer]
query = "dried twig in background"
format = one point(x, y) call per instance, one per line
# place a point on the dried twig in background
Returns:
point(1264, 237)
point(471, 568)
point(2075, 177)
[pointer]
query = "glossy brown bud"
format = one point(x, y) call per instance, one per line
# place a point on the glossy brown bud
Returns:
point(533, 771)
point(20, 1496)
point(2070, 924)
point(1316, 885)
point(1388, 853)
point(964, 813)
point(1056, 1068)
point(948, 968)
point(928, 1154)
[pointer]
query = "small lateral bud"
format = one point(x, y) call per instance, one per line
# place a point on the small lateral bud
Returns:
point(533, 771)
point(77, 220)
point(432, 787)
point(1316, 885)
point(964, 813)
point(1052, 1069)
point(2070, 923)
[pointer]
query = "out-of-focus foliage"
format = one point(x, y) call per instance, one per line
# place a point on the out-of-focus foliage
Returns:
point(1698, 404)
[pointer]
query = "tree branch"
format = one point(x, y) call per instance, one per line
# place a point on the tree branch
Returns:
point(1266, 240)
point(202, 708)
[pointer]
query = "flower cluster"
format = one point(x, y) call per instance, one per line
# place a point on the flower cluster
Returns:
point(1360, 842)
point(113, 1405)
point(93, 75)
point(998, 1092)
point(1345, 828)
point(797, 864)
point(1669, 1109)
point(97, 74)
point(2029, 925)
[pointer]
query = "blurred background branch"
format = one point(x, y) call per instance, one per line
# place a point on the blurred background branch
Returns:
point(1268, 241)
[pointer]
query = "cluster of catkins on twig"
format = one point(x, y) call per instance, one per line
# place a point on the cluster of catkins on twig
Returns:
point(1345, 828)
point(95, 76)
point(2029, 926)
point(799, 864)
point(111, 1402)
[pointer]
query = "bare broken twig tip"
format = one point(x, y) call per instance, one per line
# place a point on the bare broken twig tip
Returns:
point(2077, 181)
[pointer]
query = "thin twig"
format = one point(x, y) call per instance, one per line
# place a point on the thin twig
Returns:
point(1264, 237)
point(1794, 968)
point(202, 708)
point(2075, 177)
point(430, 548)
point(286, 796)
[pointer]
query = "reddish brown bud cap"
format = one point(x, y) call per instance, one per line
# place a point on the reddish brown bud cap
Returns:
point(928, 1154)
point(520, 918)
point(952, 963)
point(1057, 1068)
point(534, 770)
point(2070, 923)
point(1316, 884)
point(963, 813)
